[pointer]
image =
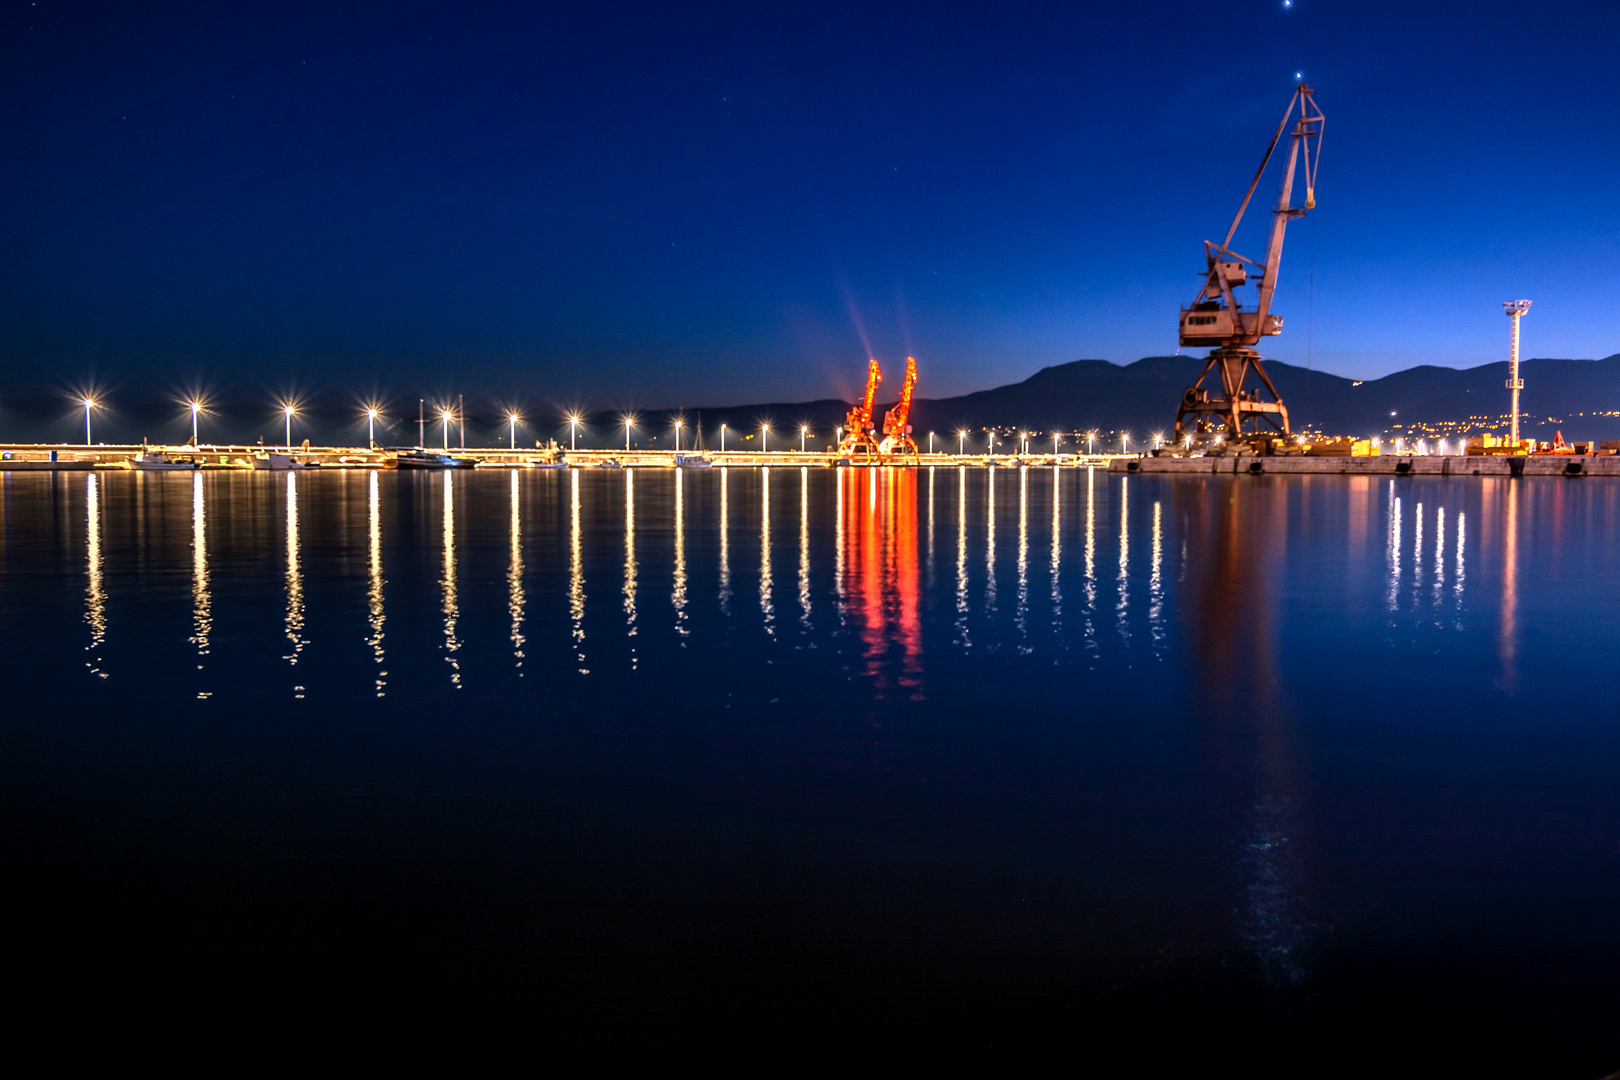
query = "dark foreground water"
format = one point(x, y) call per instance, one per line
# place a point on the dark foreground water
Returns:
point(1290, 770)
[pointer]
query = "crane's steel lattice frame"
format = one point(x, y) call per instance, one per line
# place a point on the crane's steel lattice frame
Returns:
point(1217, 318)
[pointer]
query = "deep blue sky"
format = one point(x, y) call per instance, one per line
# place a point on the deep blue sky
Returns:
point(656, 206)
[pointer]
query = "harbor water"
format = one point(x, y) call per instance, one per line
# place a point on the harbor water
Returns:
point(1021, 755)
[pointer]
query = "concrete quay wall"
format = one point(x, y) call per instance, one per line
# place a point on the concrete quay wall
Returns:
point(1385, 465)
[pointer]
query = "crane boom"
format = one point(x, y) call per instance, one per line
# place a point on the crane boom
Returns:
point(897, 422)
point(1216, 316)
point(858, 429)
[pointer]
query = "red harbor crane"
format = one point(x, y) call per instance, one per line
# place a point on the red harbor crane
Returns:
point(859, 434)
point(1217, 316)
point(897, 422)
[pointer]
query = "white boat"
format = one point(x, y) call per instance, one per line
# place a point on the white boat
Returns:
point(692, 461)
point(609, 463)
point(427, 459)
point(155, 461)
point(276, 462)
point(544, 463)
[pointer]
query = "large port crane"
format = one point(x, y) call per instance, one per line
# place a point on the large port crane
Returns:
point(859, 433)
point(1217, 318)
point(897, 422)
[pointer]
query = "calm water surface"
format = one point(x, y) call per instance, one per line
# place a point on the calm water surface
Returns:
point(1031, 749)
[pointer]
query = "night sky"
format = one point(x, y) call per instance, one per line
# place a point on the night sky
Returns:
point(616, 207)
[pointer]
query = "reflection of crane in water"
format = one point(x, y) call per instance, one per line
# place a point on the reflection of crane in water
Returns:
point(878, 560)
point(1235, 648)
point(1216, 316)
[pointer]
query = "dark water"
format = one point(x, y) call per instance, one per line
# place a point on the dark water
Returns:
point(986, 760)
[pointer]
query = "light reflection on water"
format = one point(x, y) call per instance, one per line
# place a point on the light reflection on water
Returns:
point(1273, 574)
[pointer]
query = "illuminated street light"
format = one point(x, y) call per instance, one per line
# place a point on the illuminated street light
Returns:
point(722, 438)
point(629, 422)
point(1125, 443)
point(1158, 437)
point(1091, 442)
point(678, 425)
point(511, 426)
point(445, 416)
point(1054, 443)
point(371, 425)
point(804, 430)
point(89, 403)
point(990, 447)
point(573, 432)
point(196, 407)
point(287, 412)
point(961, 442)
point(930, 442)
point(765, 438)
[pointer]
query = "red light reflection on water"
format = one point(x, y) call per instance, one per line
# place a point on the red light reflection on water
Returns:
point(881, 572)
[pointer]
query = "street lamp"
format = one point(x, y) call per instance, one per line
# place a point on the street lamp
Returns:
point(196, 407)
point(804, 430)
point(1054, 443)
point(1024, 436)
point(371, 426)
point(722, 438)
point(445, 416)
point(678, 425)
point(287, 412)
point(573, 432)
point(961, 442)
point(1158, 437)
point(1091, 442)
point(628, 424)
point(1125, 443)
point(764, 438)
point(990, 447)
point(511, 427)
point(89, 403)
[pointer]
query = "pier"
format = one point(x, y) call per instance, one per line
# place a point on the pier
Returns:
point(1384, 465)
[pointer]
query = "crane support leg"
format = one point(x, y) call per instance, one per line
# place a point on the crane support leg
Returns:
point(1206, 412)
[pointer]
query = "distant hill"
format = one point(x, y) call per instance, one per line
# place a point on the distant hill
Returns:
point(1141, 398)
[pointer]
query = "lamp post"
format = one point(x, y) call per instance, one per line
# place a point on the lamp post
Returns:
point(511, 426)
point(196, 407)
point(804, 431)
point(628, 424)
point(990, 447)
point(722, 438)
point(89, 403)
point(1091, 442)
point(765, 438)
point(961, 442)
point(573, 433)
point(1125, 443)
point(1054, 444)
point(371, 427)
point(287, 412)
point(445, 416)
point(838, 436)
point(677, 436)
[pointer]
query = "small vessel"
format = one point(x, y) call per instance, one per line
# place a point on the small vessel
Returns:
point(609, 463)
point(692, 461)
point(427, 459)
point(545, 463)
point(276, 462)
point(156, 461)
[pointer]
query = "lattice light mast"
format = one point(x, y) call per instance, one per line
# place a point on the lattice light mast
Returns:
point(1515, 309)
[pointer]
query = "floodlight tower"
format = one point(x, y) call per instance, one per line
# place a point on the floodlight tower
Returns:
point(1515, 309)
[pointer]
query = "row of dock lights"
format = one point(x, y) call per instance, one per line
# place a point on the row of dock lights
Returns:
point(447, 417)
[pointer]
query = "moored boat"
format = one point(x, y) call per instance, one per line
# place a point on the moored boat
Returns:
point(156, 461)
point(427, 459)
point(692, 461)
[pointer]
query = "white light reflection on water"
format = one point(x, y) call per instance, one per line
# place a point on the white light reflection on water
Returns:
point(961, 558)
point(447, 583)
point(1394, 545)
point(1457, 575)
point(1091, 561)
point(1021, 608)
point(725, 544)
point(1439, 554)
point(1057, 553)
point(202, 605)
point(804, 547)
point(677, 595)
point(630, 562)
point(990, 540)
point(374, 589)
point(576, 574)
point(95, 592)
point(295, 582)
point(1122, 609)
point(767, 608)
point(514, 577)
point(1156, 581)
